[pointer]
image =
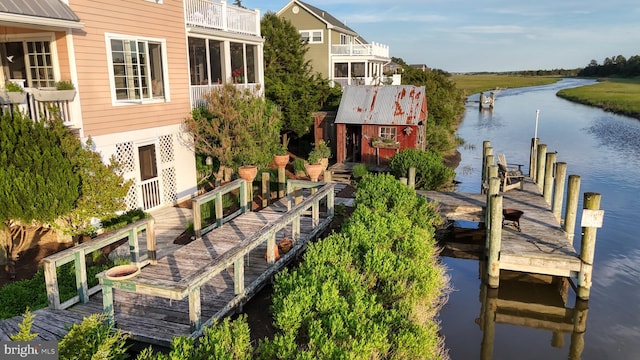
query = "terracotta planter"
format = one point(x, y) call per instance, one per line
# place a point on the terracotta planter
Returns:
point(314, 171)
point(248, 172)
point(325, 163)
point(122, 272)
point(281, 160)
point(53, 95)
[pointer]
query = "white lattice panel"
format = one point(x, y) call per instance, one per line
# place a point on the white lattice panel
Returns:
point(124, 155)
point(169, 185)
point(131, 200)
point(166, 148)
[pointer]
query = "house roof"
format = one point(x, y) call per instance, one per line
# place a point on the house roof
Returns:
point(382, 105)
point(330, 19)
point(39, 12)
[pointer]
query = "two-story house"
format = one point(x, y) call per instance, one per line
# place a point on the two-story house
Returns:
point(335, 50)
point(139, 67)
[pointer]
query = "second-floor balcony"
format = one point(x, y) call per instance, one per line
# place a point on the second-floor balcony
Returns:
point(218, 15)
point(373, 49)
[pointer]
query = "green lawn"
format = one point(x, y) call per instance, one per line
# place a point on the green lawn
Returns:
point(621, 96)
point(472, 84)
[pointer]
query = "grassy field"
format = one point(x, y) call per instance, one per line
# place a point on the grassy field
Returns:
point(621, 96)
point(472, 84)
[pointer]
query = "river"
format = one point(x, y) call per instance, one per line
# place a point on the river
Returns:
point(604, 150)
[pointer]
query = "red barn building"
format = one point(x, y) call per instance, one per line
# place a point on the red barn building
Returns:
point(375, 122)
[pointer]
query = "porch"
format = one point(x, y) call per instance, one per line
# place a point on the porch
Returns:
point(218, 15)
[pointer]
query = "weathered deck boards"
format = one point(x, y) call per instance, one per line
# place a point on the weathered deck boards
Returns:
point(48, 324)
point(542, 246)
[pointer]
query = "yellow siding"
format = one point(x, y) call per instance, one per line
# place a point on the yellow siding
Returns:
point(135, 18)
point(318, 54)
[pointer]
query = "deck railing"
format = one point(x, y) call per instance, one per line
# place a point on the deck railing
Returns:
point(218, 15)
point(38, 110)
point(199, 92)
point(216, 197)
point(373, 49)
point(78, 254)
point(189, 286)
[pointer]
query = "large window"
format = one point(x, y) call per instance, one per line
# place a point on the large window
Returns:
point(357, 70)
point(341, 70)
point(138, 68)
point(244, 63)
point(31, 61)
point(205, 61)
point(311, 36)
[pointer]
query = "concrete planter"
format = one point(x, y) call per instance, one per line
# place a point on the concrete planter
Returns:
point(12, 97)
point(46, 95)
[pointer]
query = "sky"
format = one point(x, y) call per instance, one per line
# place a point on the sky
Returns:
point(490, 35)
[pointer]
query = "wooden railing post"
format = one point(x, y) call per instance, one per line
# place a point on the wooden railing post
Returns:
point(587, 249)
point(326, 176)
point(548, 177)
point(271, 249)
point(107, 302)
point(51, 281)
point(558, 190)
point(412, 178)
point(495, 240)
point(494, 189)
point(218, 207)
point(81, 276)
point(571, 209)
point(282, 182)
point(238, 276)
point(195, 309)
point(533, 158)
point(134, 246)
point(542, 157)
point(197, 221)
point(151, 241)
point(266, 188)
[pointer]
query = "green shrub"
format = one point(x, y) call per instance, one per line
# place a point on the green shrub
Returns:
point(123, 220)
point(64, 85)
point(10, 86)
point(431, 173)
point(298, 164)
point(92, 339)
point(360, 170)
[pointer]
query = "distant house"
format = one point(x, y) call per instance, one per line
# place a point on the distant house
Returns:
point(335, 50)
point(422, 67)
point(375, 122)
point(138, 67)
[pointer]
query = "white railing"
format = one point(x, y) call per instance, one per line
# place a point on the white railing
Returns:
point(41, 110)
point(199, 92)
point(218, 15)
point(373, 49)
point(384, 80)
point(150, 190)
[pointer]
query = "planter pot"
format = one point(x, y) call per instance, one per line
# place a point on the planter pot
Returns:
point(281, 160)
point(248, 172)
point(122, 272)
point(325, 163)
point(385, 145)
point(12, 97)
point(53, 95)
point(313, 170)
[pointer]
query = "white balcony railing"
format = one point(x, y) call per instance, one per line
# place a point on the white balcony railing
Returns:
point(218, 15)
point(384, 80)
point(198, 92)
point(373, 49)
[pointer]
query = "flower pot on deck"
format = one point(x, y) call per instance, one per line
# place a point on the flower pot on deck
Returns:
point(122, 272)
point(313, 171)
point(248, 172)
point(281, 161)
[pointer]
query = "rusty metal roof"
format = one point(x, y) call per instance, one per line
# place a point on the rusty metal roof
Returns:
point(382, 105)
point(51, 9)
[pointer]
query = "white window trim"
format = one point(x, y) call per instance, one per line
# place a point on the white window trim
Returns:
point(165, 69)
point(311, 41)
point(394, 132)
point(50, 37)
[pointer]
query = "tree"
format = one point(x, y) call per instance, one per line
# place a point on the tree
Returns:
point(236, 127)
point(101, 191)
point(289, 80)
point(37, 181)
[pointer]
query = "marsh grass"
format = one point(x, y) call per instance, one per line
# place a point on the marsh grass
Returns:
point(472, 84)
point(621, 96)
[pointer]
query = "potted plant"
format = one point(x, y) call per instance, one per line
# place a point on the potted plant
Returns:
point(281, 157)
point(12, 94)
point(62, 91)
point(385, 143)
point(323, 152)
point(313, 168)
point(298, 167)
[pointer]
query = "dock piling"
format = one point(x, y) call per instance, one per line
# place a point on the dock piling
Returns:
point(495, 239)
point(548, 177)
point(540, 166)
point(587, 249)
point(533, 158)
point(558, 190)
point(571, 209)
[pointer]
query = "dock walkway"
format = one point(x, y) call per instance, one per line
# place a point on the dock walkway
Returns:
point(541, 247)
point(193, 285)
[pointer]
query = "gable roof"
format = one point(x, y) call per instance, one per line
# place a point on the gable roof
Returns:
point(39, 12)
point(382, 105)
point(327, 18)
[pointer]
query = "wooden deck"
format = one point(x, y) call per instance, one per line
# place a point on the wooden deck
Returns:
point(542, 247)
point(158, 304)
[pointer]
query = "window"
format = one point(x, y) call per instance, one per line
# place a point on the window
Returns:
point(137, 68)
point(357, 70)
point(311, 36)
point(31, 61)
point(148, 166)
point(244, 63)
point(345, 39)
point(388, 132)
point(341, 70)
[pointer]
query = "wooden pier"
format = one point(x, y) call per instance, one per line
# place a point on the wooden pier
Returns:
point(544, 244)
point(191, 287)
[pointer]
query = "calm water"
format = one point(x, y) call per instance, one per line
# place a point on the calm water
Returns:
point(604, 149)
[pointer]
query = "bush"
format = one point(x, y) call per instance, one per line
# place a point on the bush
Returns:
point(123, 220)
point(431, 173)
point(360, 170)
point(93, 339)
point(298, 164)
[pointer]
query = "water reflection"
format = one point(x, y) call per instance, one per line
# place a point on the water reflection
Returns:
point(536, 302)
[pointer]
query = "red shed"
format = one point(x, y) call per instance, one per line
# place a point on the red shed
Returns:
point(374, 122)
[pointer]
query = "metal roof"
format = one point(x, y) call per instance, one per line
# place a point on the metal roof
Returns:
point(382, 105)
point(50, 9)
